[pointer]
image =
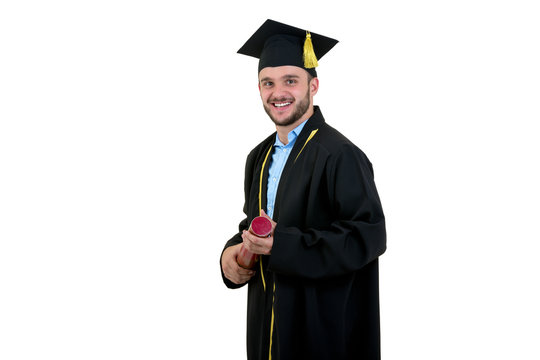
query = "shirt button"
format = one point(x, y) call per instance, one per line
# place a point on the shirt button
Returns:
point(274, 179)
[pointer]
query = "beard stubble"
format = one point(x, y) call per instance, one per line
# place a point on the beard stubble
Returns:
point(300, 110)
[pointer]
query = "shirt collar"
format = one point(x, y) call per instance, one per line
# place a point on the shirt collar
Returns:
point(293, 134)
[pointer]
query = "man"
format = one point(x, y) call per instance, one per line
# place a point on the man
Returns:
point(314, 292)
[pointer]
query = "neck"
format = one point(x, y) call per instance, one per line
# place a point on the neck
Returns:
point(283, 131)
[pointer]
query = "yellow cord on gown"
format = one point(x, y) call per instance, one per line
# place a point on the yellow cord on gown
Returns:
point(260, 205)
point(309, 138)
point(260, 213)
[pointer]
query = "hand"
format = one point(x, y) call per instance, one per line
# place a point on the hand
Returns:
point(259, 245)
point(272, 221)
point(230, 267)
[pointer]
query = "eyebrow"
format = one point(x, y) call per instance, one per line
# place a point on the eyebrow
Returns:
point(288, 76)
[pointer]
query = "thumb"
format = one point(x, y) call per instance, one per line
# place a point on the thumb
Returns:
point(264, 214)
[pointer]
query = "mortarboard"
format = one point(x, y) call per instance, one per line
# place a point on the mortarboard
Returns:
point(277, 44)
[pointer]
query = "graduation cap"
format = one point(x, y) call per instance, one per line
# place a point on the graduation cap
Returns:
point(278, 44)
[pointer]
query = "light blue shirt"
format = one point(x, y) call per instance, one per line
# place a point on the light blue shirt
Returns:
point(279, 158)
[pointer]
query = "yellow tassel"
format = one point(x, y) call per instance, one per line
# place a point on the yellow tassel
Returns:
point(310, 60)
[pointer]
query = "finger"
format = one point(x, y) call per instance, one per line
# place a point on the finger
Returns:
point(244, 271)
point(258, 245)
point(240, 280)
point(250, 241)
point(253, 239)
point(240, 277)
point(235, 277)
point(236, 273)
point(252, 245)
point(269, 218)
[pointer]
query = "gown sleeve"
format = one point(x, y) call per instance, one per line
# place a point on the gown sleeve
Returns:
point(356, 235)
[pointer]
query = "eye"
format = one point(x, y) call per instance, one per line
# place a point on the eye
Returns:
point(267, 83)
point(290, 81)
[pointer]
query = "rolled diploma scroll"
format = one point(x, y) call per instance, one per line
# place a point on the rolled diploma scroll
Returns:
point(261, 227)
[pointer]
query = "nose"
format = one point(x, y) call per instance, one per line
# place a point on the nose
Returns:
point(280, 92)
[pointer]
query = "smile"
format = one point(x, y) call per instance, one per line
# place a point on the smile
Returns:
point(279, 105)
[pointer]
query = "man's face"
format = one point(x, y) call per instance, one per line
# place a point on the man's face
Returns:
point(286, 93)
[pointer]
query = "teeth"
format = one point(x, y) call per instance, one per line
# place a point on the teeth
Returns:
point(282, 104)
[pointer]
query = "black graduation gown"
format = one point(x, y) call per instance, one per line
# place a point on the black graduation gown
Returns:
point(318, 295)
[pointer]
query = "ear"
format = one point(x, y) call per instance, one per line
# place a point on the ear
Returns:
point(314, 85)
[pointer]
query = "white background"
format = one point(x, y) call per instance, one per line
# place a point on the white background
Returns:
point(123, 135)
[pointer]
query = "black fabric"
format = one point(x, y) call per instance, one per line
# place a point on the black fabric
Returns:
point(324, 262)
point(280, 50)
point(278, 44)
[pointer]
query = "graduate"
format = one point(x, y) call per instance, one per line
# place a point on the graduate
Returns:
point(313, 292)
